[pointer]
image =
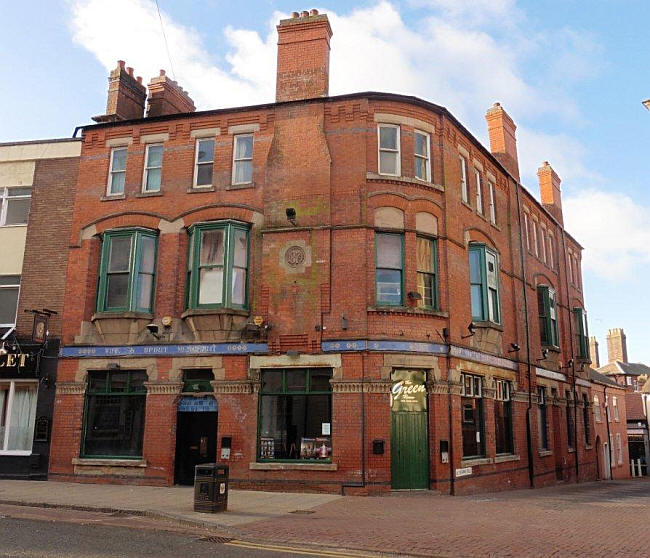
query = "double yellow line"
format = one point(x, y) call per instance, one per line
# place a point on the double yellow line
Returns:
point(295, 550)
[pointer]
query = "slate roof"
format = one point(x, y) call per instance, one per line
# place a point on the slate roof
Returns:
point(628, 368)
point(634, 407)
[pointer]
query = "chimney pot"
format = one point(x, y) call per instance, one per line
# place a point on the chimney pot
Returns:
point(304, 13)
point(139, 79)
point(120, 64)
point(162, 73)
point(295, 15)
point(313, 12)
point(126, 96)
point(167, 97)
point(130, 70)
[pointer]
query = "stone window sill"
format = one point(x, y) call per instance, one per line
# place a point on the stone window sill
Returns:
point(588, 447)
point(552, 349)
point(571, 450)
point(545, 453)
point(201, 189)
point(403, 180)
point(489, 325)
point(113, 197)
point(103, 462)
point(467, 205)
point(407, 310)
point(293, 466)
point(240, 186)
point(506, 457)
point(149, 194)
point(472, 461)
point(127, 315)
point(213, 311)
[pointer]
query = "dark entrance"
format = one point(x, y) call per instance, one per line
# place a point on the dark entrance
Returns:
point(196, 442)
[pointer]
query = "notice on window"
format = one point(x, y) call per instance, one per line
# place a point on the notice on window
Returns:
point(326, 429)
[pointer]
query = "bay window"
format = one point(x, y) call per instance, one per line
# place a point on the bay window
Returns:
point(217, 265)
point(472, 416)
point(389, 267)
point(547, 310)
point(503, 417)
point(484, 283)
point(389, 149)
point(127, 271)
point(295, 414)
point(17, 416)
point(114, 414)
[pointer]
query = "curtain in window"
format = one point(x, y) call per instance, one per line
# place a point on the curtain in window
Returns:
point(21, 421)
point(3, 419)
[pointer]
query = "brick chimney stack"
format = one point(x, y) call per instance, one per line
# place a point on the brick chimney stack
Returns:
point(616, 345)
point(167, 97)
point(549, 189)
point(503, 142)
point(303, 57)
point(593, 353)
point(126, 95)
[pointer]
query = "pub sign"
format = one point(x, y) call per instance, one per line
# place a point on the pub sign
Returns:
point(408, 391)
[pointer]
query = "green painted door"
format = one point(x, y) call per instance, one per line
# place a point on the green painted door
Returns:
point(409, 450)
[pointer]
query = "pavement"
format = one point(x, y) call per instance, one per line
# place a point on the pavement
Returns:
point(604, 519)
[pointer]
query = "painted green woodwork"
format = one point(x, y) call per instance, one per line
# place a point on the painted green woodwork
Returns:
point(582, 334)
point(547, 316)
point(484, 284)
point(409, 450)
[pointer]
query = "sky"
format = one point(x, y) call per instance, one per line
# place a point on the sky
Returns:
point(571, 73)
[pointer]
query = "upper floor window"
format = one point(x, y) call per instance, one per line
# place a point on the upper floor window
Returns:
point(551, 262)
point(426, 263)
point(117, 172)
point(535, 239)
point(217, 265)
point(127, 271)
point(547, 316)
point(152, 168)
point(389, 152)
point(493, 205)
point(203, 163)
point(464, 190)
point(242, 164)
point(484, 283)
point(582, 335)
point(615, 407)
point(597, 411)
point(9, 288)
point(422, 156)
point(389, 268)
point(479, 192)
point(14, 206)
point(542, 244)
point(527, 230)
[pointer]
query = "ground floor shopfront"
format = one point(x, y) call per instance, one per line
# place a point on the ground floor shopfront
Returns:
point(360, 417)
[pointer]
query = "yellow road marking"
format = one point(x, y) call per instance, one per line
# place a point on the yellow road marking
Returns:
point(274, 548)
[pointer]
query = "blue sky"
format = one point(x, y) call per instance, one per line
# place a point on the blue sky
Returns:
point(571, 73)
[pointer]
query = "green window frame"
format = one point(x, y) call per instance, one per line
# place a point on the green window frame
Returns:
point(295, 415)
point(582, 332)
point(114, 414)
point(127, 273)
point(427, 270)
point(484, 284)
point(217, 265)
point(547, 308)
point(389, 269)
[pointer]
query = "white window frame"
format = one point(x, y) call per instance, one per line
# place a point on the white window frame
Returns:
point(464, 190)
point(617, 417)
point(535, 238)
point(236, 160)
point(551, 261)
point(479, 192)
point(9, 405)
point(146, 169)
point(4, 205)
point(527, 230)
point(597, 410)
point(427, 158)
point(492, 200)
point(12, 286)
point(543, 242)
point(196, 164)
point(398, 151)
point(619, 448)
point(111, 172)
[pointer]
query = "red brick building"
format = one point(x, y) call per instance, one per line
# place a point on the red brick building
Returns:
point(343, 293)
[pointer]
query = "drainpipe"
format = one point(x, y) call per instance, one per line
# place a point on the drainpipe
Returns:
point(529, 436)
point(452, 476)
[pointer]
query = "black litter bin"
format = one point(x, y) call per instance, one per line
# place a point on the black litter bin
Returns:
point(211, 488)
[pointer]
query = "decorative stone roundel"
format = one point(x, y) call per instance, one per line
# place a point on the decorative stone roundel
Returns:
point(295, 256)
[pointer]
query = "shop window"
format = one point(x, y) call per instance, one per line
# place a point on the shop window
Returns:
point(17, 416)
point(464, 190)
point(582, 335)
point(117, 172)
point(14, 206)
point(585, 418)
point(547, 316)
point(197, 381)
point(426, 263)
point(9, 289)
point(542, 423)
point(484, 283)
point(472, 416)
point(152, 168)
point(422, 156)
point(127, 271)
point(570, 422)
point(204, 163)
point(389, 149)
point(217, 265)
point(295, 416)
point(503, 417)
point(242, 164)
point(114, 414)
point(389, 269)
point(597, 411)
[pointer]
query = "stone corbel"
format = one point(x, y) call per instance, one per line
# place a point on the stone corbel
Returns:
point(70, 388)
point(163, 388)
point(235, 386)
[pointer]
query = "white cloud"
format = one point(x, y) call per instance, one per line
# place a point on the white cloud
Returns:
point(614, 230)
point(474, 12)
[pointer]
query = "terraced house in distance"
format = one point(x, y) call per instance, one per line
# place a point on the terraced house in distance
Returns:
point(331, 293)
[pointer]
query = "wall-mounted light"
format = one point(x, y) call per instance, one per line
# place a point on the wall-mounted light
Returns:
point(544, 354)
point(3, 349)
point(113, 365)
point(472, 330)
point(344, 322)
point(569, 364)
point(514, 347)
point(153, 329)
point(414, 295)
point(291, 215)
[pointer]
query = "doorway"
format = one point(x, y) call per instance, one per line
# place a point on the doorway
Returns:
point(409, 438)
point(196, 442)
